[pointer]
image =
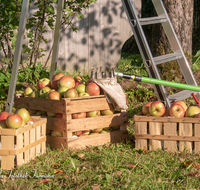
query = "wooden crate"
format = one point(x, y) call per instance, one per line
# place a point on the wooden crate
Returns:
point(67, 125)
point(168, 133)
point(21, 145)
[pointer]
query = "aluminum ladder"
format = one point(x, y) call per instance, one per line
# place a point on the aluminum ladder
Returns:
point(151, 62)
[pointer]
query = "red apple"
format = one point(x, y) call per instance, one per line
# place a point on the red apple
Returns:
point(182, 103)
point(55, 79)
point(93, 114)
point(24, 114)
point(4, 115)
point(53, 95)
point(59, 115)
point(3, 124)
point(79, 80)
point(45, 82)
point(28, 91)
point(79, 115)
point(78, 133)
point(192, 111)
point(157, 109)
point(177, 110)
point(31, 119)
point(71, 93)
point(14, 121)
point(197, 116)
point(81, 88)
point(145, 108)
point(67, 81)
point(93, 89)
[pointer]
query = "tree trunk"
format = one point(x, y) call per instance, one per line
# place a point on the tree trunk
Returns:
point(181, 15)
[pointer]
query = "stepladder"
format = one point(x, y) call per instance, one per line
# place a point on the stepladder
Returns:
point(151, 62)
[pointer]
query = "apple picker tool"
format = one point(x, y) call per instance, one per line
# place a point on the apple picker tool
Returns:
point(108, 82)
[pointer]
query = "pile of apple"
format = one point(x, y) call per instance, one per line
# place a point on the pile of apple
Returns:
point(17, 120)
point(178, 109)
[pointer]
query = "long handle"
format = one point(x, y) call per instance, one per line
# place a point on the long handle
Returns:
point(157, 81)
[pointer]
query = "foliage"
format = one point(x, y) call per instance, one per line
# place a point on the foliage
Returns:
point(196, 62)
point(36, 28)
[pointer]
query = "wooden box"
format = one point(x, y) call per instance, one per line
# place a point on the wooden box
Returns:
point(67, 125)
point(21, 145)
point(168, 133)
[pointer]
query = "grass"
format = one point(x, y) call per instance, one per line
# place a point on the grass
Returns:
point(110, 166)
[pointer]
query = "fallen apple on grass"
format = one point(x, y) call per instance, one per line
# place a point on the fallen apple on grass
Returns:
point(157, 109)
point(177, 110)
point(14, 121)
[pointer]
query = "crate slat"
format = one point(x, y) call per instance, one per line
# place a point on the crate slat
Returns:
point(19, 144)
point(26, 143)
point(155, 129)
point(197, 134)
point(141, 128)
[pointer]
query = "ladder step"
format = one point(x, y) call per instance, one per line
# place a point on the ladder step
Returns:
point(181, 95)
point(167, 58)
point(153, 20)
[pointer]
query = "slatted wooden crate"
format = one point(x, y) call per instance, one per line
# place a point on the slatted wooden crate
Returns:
point(168, 133)
point(67, 125)
point(21, 145)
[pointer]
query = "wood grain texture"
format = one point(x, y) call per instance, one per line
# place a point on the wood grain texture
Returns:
point(140, 128)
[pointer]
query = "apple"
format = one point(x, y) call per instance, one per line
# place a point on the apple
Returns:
point(93, 89)
point(177, 110)
point(3, 124)
point(81, 88)
point(192, 111)
point(14, 121)
point(31, 119)
point(96, 130)
point(56, 133)
point(182, 103)
point(39, 113)
point(71, 93)
point(116, 127)
point(44, 82)
point(86, 132)
point(28, 91)
point(59, 115)
point(83, 134)
point(157, 109)
point(4, 115)
point(93, 114)
point(67, 81)
point(106, 128)
point(62, 90)
point(82, 94)
point(78, 133)
point(89, 81)
point(79, 115)
point(79, 80)
point(145, 108)
point(107, 112)
point(24, 114)
point(55, 79)
point(51, 114)
point(53, 95)
point(48, 132)
point(103, 131)
point(92, 133)
point(44, 91)
point(35, 94)
point(197, 116)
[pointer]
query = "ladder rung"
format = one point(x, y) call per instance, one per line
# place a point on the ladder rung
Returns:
point(153, 20)
point(167, 58)
point(181, 95)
